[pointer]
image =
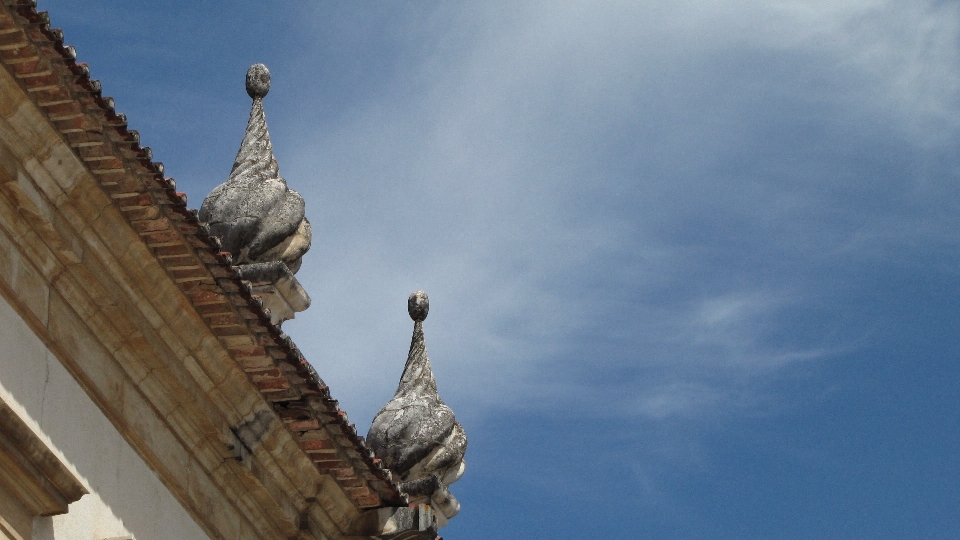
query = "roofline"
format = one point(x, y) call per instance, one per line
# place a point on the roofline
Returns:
point(74, 105)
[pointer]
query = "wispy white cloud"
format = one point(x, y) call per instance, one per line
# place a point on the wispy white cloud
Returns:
point(588, 189)
point(579, 164)
point(651, 223)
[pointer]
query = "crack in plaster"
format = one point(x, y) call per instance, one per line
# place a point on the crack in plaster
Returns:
point(46, 383)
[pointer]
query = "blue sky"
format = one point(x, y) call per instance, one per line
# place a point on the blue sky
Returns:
point(693, 266)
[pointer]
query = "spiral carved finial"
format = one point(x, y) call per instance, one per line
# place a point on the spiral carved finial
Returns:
point(256, 216)
point(415, 433)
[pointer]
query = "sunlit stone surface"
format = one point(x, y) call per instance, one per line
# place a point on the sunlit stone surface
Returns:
point(258, 219)
point(416, 434)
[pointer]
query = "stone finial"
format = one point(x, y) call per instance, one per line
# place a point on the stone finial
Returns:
point(416, 434)
point(258, 219)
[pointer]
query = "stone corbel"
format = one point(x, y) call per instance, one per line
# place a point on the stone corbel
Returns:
point(416, 522)
point(431, 491)
point(279, 289)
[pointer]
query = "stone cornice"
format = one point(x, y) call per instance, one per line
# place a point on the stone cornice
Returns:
point(31, 471)
point(151, 318)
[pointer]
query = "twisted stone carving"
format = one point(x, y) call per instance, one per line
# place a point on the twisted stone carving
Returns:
point(257, 217)
point(415, 433)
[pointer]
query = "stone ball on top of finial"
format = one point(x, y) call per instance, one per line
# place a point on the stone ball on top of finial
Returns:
point(258, 81)
point(418, 305)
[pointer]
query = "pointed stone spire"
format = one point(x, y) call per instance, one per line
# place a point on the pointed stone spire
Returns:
point(416, 434)
point(258, 219)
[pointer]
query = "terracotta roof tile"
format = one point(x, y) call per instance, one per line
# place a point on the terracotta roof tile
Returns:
point(61, 87)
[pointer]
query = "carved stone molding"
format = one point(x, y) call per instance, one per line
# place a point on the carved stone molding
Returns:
point(33, 481)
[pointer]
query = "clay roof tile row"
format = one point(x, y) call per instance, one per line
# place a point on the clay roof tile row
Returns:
point(49, 72)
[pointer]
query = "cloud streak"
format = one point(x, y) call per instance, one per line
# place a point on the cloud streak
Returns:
point(565, 179)
point(654, 222)
point(639, 200)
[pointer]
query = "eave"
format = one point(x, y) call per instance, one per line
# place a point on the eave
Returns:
point(164, 335)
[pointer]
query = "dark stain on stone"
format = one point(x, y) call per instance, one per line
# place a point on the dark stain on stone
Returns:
point(249, 432)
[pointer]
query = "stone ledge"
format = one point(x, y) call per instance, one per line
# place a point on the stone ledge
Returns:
point(32, 473)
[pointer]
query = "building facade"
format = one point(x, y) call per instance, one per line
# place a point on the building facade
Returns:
point(147, 390)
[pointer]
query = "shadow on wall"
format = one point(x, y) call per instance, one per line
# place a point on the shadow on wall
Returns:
point(126, 498)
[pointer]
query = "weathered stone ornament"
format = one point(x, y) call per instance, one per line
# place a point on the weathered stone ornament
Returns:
point(258, 219)
point(416, 434)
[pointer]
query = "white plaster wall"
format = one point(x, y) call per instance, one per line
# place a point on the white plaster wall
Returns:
point(126, 498)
